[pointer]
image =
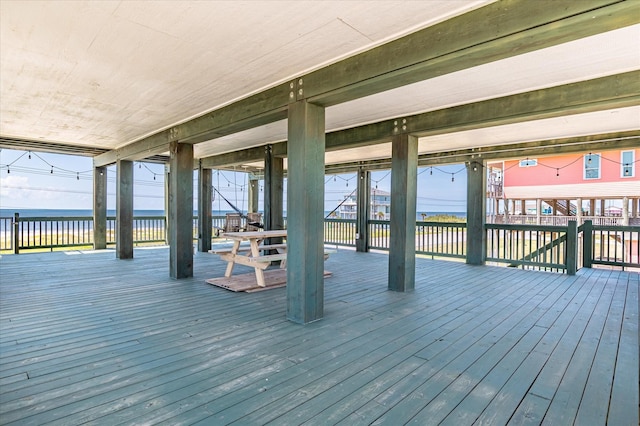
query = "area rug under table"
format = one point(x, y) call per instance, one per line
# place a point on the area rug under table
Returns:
point(273, 278)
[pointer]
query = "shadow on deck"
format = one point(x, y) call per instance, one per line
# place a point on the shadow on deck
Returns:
point(88, 338)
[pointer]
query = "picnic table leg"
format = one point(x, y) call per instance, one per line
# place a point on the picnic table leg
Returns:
point(255, 252)
point(283, 262)
point(234, 252)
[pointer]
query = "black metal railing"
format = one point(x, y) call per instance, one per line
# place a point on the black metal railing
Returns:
point(555, 248)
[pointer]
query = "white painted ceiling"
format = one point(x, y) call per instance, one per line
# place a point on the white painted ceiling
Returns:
point(104, 74)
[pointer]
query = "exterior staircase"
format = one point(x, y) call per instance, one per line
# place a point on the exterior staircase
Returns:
point(562, 208)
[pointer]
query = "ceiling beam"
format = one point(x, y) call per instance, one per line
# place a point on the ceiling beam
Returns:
point(53, 147)
point(496, 31)
point(599, 94)
point(62, 148)
point(617, 91)
point(571, 145)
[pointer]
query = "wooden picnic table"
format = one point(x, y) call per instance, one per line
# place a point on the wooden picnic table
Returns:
point(255, 256)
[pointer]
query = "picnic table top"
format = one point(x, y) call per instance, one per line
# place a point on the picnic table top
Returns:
point(255, 234)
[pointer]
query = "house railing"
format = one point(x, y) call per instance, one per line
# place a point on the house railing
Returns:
point(555, 248)
point(561, 220)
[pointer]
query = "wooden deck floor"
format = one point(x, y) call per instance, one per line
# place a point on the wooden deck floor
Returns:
point(88, 338)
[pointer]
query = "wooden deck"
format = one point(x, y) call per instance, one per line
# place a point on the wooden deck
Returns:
point(88, 338)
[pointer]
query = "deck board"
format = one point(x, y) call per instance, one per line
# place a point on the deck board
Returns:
point(85, 337)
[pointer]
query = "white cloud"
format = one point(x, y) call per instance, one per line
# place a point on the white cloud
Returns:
point(13, 187)
point(18, 188)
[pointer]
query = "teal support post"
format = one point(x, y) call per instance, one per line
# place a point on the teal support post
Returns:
point(572, 248)
point(16, 233)
point(273, 191)
point(253, 195)
point(587, 244)
point(305, 213)
point(476, 213)
point(181, 210)
point(363, 210)
point(205, 225)
point(99, 208)
point(402, 240)
point(167, 191)
point(124, 209)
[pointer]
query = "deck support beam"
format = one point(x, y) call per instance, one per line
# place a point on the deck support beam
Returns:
point(181, 210)
point(363, 210)
point(124, 209)
point(273, 191)
point(476, 213)
point(167, 191)
point(99, 208)
point(305, 207)
point(404, 184)
point(204, 209)
point(253, 195)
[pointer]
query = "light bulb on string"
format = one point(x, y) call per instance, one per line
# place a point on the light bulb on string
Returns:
point(431, 171)
point(557, 172)
point(8, 170)
point(51, 169)
point(29, 155)
point(77, 175)
point(154, 176)
point(452, 177)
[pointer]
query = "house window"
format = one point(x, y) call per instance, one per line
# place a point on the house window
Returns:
point(592, 166)
point(528, 162)
point(627, 163)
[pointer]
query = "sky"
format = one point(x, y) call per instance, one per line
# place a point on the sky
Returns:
point(33, 180)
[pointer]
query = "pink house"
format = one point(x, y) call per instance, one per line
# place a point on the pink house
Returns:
point(604, 183)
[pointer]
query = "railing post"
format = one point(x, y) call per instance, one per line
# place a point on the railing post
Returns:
point(16, 233)
point(587, 243)
point(571, 258)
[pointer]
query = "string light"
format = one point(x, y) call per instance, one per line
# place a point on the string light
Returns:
point(452, 177)
point(29, 155)
point(78, 176)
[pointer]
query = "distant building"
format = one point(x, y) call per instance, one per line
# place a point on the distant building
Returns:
point(380, 202)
